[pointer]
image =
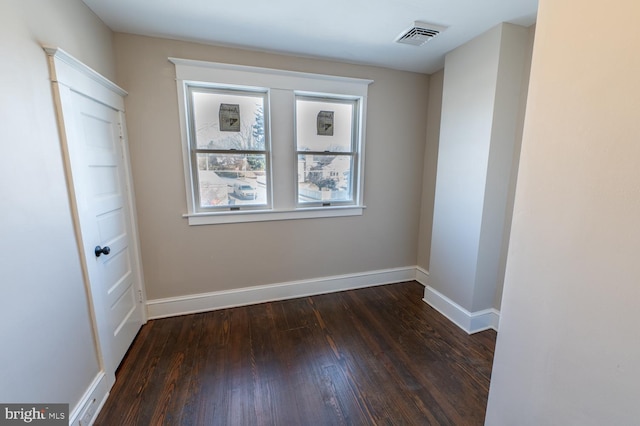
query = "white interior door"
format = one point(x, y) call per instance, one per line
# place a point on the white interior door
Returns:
point(101, 194)
point(94, 139)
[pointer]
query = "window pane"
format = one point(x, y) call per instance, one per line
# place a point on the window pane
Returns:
point(324, 178)
point(323, 125)
point(228, 121)
point(232, 179)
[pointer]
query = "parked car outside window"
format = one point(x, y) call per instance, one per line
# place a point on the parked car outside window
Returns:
point(245, 191)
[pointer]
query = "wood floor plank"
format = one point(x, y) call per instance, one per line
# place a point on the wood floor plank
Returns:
point(390, 367)
point(372, 356)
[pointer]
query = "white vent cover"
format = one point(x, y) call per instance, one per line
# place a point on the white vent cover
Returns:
point(419, 33)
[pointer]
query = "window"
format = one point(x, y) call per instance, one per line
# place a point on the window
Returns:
point(263, 144)
point(326, 143)
point(229, 148)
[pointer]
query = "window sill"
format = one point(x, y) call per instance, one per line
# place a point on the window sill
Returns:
point(216, 218)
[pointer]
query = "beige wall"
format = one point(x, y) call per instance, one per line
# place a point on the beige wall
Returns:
point(480, 99)
point(568, 347)
point(434, 113)
point(48, 353)
point(181, 260)
point(506, 139)
point(497, 302)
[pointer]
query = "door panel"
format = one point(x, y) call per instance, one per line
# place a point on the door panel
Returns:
point(96, 161)
point(98, 164)
point(111, 225)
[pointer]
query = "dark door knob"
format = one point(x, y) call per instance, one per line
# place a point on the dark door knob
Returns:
point(102, 250)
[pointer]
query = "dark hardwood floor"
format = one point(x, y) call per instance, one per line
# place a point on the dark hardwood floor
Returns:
point(375, 356)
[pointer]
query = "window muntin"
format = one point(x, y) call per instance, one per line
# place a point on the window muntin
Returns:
point(326, 146)
point(229, 143)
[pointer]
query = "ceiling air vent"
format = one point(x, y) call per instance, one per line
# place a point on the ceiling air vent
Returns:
point(419, 33)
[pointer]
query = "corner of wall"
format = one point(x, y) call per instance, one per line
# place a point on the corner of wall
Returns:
point(430, 163)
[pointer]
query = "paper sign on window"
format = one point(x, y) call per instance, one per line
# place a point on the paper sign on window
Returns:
point(325, 123)
point(229, 117)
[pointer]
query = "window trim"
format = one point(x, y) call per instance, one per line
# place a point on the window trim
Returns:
point(282, 86)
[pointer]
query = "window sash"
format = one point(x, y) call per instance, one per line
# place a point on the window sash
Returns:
point(198, 186)
point(307, 197)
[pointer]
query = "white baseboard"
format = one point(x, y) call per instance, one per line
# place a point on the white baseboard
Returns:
point(91, 403)
point(471, 322)
point(173, 306)
point(422, 276)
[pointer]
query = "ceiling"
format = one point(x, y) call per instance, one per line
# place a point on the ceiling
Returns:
point(354, 31)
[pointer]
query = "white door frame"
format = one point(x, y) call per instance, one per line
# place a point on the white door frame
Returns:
point(67, 73)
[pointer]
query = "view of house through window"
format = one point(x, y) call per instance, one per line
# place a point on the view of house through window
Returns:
point(326, 134)
point(229, 145)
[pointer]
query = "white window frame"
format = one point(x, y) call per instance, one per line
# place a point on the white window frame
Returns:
point(190, 88)
point(354, 149)
point(282, 87)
